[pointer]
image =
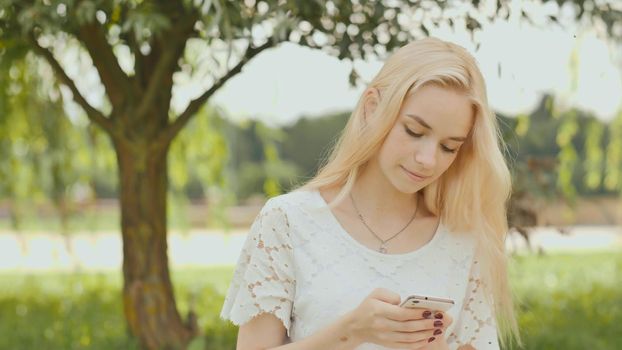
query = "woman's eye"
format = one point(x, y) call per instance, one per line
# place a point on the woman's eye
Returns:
point(445, 148)
point(412, 133)
point(449, 150)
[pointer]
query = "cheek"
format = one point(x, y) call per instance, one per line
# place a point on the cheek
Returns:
point(394, 146)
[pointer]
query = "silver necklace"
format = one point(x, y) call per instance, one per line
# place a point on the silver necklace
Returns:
point(383, 248)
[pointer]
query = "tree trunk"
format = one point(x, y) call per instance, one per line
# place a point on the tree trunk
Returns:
point(149, 303)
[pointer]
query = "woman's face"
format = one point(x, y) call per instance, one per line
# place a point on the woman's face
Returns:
point(431, 127)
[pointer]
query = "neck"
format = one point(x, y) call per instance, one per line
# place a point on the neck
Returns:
point(376, 197)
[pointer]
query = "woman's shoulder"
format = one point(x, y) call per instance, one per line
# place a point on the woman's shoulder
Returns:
point(293, 199)
point(303, 208)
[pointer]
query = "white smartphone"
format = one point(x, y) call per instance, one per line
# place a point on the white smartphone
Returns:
point(428, 302)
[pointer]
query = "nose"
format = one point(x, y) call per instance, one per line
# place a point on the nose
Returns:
point(426, 155)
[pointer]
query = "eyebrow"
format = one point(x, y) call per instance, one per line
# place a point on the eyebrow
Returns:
point(424, 124)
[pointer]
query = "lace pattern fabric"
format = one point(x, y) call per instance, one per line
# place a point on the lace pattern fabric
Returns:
point(300, 265)
point(476, 324)
point(264, 280)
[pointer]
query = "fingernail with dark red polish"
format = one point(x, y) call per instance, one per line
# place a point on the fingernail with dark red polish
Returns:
point(438, 323)
point(437, 332)
point(427, 314)
point(431, 340)
point(438, 315)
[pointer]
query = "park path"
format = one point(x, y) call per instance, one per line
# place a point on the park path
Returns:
point(102, 251)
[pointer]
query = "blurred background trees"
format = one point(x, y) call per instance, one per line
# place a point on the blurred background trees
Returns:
point(122, 141)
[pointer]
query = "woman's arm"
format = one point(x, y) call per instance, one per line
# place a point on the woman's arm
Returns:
point(476, 326)
point(378, 319)
point(266, 331)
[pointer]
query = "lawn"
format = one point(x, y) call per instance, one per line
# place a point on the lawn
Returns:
point(567, 301)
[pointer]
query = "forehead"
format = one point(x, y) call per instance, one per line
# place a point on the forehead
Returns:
point(447, 111)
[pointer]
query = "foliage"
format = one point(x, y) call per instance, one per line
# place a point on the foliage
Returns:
point(613, 174)
point(347, 30)
point(532, 155)
point(201, 152)
point(309, 142)
point(20, 146)
point(46, 156)
point(561, 155)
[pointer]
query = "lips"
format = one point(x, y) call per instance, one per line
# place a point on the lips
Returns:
point(415, 175)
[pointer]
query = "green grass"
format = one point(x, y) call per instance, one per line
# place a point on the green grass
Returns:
point(71, 311)
point(567, 301)
point(570, 301)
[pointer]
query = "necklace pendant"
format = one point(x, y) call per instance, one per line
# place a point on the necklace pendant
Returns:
point(382, 249)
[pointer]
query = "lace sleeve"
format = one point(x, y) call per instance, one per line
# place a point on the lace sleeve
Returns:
point(476, 326)
point(263, 280)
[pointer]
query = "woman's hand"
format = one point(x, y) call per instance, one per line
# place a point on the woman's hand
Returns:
point(380, 320)
point(438, 344)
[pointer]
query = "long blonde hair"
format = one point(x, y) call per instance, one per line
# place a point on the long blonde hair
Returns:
point(471, 196)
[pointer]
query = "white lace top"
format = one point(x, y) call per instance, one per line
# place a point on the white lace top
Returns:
point(299, 264)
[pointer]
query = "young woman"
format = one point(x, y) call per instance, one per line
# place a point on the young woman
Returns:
point(411, 201)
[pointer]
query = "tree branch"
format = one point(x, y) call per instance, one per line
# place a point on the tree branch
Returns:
point(173, 129)
point(117, 83)
point(93, 114)
point(139, 59)
point(174, 44)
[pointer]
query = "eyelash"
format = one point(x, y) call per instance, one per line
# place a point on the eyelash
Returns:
point(445, 148)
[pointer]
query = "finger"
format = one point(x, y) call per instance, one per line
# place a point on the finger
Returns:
point(445, 317)
point(420, 344)
point(412, 337)
point(385, 295)
point(400, 340)
point(413, 326)
point(399, 313)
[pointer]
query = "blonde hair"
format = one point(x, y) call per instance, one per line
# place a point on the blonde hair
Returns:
point(471, 196)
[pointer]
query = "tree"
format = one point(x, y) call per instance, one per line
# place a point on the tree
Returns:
point(140, 121)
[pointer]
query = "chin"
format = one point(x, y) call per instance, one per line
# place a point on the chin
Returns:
point(406, 187)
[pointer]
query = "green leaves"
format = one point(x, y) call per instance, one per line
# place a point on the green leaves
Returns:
point(593, 163)
point(201, 154)
point(85, 12)
point(45, 157)
point(613, 173)
point(146, 21)
point(567, 156)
